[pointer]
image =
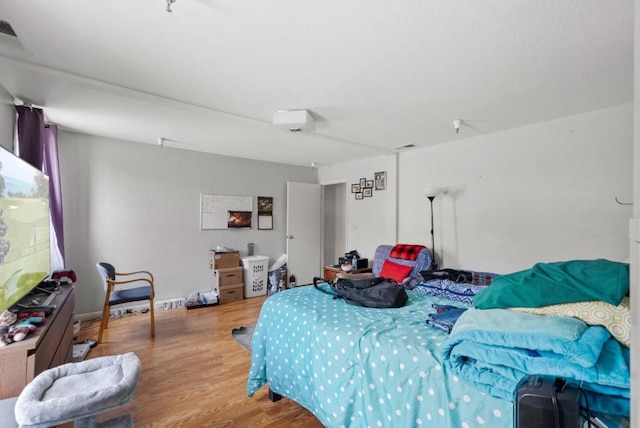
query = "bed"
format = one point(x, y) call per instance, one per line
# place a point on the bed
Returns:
point(355, 366)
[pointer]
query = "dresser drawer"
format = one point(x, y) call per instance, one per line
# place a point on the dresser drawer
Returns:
point(231, 293)
point(226, 277)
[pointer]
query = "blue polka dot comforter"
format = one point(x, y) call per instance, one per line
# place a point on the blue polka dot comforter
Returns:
point(362, 367)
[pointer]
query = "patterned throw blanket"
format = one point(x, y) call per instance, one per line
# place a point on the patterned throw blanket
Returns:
point(406, 251)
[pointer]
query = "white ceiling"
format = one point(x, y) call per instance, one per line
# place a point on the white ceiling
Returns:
point(375, 74)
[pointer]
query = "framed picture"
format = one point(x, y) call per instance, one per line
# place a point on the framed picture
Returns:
point(355, 188)
point(239, 219)
point(265, 213)
point(363, 183)
point(369, 184)
point(359, 195)
point(265, 204)
point(381, 180)
point(367, 192)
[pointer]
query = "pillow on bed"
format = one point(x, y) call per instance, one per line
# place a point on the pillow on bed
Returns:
point(616, 319)
point(555, 283)
point(395, 271)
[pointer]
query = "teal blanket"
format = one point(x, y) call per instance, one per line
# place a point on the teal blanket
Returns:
point(493, 349)
point(555, 283)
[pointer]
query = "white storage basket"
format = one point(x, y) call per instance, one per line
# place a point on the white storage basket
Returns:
point(255, 275)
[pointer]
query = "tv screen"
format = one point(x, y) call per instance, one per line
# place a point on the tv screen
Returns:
point(24, 228)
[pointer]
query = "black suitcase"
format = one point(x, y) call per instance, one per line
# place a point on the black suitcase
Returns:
point(546, 402)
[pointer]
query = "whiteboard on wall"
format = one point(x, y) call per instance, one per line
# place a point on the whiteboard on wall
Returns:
point(214, 209)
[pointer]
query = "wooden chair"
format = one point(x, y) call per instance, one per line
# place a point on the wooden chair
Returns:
point(110, 279)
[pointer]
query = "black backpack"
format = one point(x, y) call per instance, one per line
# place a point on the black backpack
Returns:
point(371, 293)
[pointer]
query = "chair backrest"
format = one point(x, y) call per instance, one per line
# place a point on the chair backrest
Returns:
point(383, 252)
point(106, 270)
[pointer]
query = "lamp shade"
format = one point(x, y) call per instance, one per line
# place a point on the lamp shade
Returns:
point(431, 192)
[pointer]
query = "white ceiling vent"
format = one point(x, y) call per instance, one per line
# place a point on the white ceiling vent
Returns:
point(9, 37)
point(294, 120)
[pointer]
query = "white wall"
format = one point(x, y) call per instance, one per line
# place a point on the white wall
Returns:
point(538, 193)
point(544, 192)
point(7, 120)
point(635, 241)
point(137, 206)
point(370, 221)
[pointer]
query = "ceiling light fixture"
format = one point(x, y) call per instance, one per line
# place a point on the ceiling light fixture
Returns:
point(294, 120)
point(169, 3)
point(456, 125)
point(161, 141)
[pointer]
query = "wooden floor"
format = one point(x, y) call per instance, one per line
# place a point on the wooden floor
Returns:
point(193, 373)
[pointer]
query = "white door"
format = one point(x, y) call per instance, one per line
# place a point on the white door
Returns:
point(304, 244)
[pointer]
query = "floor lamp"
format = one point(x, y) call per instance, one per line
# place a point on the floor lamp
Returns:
point(431, 194)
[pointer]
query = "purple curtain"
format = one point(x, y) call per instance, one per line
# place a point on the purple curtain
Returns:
point(30, 135)
point(38, 145)
point(51, 167)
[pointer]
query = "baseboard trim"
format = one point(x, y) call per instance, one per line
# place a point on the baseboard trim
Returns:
point(120, 310)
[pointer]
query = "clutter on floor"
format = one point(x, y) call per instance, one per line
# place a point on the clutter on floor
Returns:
point(202, 300)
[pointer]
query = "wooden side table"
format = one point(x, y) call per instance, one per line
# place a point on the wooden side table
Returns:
point(329, 273)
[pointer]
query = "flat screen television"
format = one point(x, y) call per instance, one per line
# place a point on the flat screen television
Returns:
point(24, 228)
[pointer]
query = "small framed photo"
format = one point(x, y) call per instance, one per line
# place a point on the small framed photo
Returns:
point(355, 188)
point(380, 179)
point(367, 192)
point(359, 195)
point(369, 184)
point(363, 183)
point(265, 213)
point(239, 219)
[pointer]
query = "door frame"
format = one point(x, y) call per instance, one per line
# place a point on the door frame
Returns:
point(346, 217)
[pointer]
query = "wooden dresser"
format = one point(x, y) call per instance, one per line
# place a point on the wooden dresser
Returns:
point(49, 346)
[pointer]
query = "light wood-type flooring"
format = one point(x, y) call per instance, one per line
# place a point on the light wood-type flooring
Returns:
point(194, 374)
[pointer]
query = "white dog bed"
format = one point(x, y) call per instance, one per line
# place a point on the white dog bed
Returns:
point(78, 391)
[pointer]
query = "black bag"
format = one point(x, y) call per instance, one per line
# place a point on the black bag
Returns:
point(371, 293)
point(450, 274)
